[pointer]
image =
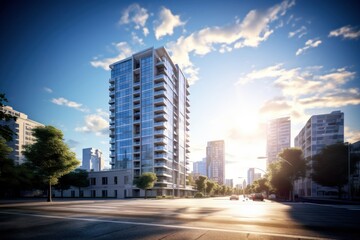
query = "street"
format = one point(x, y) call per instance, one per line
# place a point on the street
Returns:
point(210, 218)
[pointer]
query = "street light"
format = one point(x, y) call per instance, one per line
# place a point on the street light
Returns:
point(349, 184)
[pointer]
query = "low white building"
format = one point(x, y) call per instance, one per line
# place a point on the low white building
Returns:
point(116, 183)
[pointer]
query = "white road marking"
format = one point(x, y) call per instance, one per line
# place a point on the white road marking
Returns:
point(163, 225)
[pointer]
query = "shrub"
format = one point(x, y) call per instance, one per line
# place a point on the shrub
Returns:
point(199, 195)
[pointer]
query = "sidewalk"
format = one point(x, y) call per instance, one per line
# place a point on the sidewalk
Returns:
point(329, 201)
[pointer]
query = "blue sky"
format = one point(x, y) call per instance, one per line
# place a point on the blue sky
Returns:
point(247, 62)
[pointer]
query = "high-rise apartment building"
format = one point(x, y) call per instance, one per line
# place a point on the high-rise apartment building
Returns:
point(215, 161)
point(278, 137)
point(92, 160)
point(250, 176)
point(149, 120)
point(318, 132)
point(22, 128)
point(199, 168)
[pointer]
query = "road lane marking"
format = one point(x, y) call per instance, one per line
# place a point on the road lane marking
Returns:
point(163, 225)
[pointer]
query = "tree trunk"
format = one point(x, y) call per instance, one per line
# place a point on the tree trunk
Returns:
point(49, 199)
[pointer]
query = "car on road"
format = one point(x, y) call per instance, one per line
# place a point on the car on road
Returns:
point(257, 197)
point(234, 197)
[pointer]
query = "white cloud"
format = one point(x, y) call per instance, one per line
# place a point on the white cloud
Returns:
point(346, 32)
point(300, 32)
point(167, 23)
point(95, 123)
point(135, 14)
point(49, 90)
point(311, 43)
point(305, 88)
point(136, 39)
point(64, 102)
point(351, 136)
point(124, 51)
point(254, 29)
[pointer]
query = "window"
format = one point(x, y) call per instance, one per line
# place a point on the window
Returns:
point(92, 181)
point(93, 193)
point(104, 193)
point(104, 181)
point(126, 179)
point(115, 180)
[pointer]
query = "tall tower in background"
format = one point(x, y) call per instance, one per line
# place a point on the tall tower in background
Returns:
point(92, 160)
point(215, 161)
point(199, 168)
point(22, 128)
point(318, 132)
point(278, 137)
point(149, 120)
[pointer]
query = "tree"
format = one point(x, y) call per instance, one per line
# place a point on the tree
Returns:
point(201, 183)
point(261, 185)
point(292, 165)
point(210, 186)
point(5, 130)
point(145, 181)
point(278, 180)
point(64, 183)
point(330, 166)
point(49, 156)
point(79, 178)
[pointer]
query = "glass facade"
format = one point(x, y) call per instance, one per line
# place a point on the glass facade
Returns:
point(149, 120)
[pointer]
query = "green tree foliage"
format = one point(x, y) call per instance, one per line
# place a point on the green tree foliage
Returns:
point(278, 180)
point(7, 168)
point(145, 181)
point(64, 183)
point(330, 166)
point(5, 130)
point(200, 183)
point(79, 178)
point(261, 185)
point(49, 156)
point(210, 185)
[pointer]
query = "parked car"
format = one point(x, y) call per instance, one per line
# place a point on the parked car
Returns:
point(234, 197)
point(272, 196)
point(257, 197)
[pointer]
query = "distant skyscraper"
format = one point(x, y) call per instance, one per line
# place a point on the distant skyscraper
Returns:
point(250, 176)
point(149, 120)
point(319, 131)
point(23, 132)
point(278, 137)
point(229, 182)
point(92, 160)
point(215, 161)
point(199, 168)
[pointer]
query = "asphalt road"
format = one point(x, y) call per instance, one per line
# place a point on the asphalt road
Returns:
point(213, 218)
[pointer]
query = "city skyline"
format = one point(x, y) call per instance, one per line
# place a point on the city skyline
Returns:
point(247, 63)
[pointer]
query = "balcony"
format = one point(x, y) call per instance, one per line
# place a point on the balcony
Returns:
point(112, 93)
point(112, 80)
point(159, 78)
point(160, 109)
point(160, 93)
point(160, 149)
point(161, 133)
point(159, 102)
point(112, 87)
point(112, 107)
point(159, 141)
point(160, 117)
point(163, 173)
point(159, 125)
point(160, 86)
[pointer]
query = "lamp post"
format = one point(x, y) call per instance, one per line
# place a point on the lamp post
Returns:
point(348, 161)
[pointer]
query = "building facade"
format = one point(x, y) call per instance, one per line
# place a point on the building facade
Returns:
point(215, 161)
point(250, 176)
point(149, 119)
point(22, 127)
point(318, 132)
point(278, 136)
point(199, 168)
point(92, 159)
